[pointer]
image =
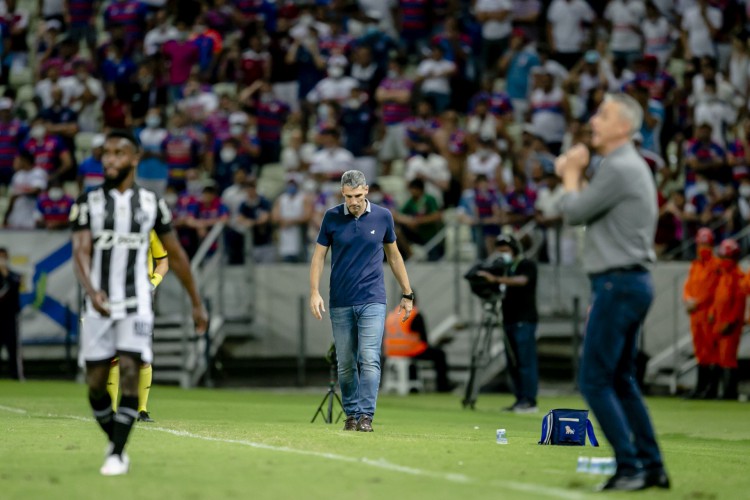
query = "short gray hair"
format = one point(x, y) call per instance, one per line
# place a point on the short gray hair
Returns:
point(630, 110)
point(353, 179)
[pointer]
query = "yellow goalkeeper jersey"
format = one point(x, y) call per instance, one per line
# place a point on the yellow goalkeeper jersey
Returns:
point(155, 252)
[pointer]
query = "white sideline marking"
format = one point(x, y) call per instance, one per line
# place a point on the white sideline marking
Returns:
point(380, 464)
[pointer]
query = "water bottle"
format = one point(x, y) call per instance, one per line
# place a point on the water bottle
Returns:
point(583, 464)
point(602, 465)
point(501, 438)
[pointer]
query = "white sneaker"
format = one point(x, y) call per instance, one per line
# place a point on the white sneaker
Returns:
point(115, 465)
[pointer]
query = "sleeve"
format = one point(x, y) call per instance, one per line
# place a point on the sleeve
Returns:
point(79, 214)
point(604, 192)
point(163, 222)
point(390, 231)
point(324, 236)
point(157, 249)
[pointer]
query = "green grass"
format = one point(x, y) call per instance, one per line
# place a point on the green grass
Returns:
point(256, 444)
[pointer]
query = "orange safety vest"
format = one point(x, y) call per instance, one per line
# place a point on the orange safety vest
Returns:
point(400, 339)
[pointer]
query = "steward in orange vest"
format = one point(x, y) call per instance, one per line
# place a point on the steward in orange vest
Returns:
point(400, 339)
point(698, 296)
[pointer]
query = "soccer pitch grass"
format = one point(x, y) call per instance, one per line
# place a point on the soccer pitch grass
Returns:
point(217, 444)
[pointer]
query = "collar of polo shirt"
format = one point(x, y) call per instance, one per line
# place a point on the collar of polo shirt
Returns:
point(367, 208)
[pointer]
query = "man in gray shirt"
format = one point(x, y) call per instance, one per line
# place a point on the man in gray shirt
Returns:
point(619, 211)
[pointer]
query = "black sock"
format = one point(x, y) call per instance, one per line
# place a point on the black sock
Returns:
point(127, 412)
point(102, 406)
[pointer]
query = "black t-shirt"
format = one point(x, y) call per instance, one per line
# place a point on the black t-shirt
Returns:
point(252, 210)
point(519, 303)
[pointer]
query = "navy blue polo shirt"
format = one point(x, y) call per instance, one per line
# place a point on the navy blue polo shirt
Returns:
point(357, 253)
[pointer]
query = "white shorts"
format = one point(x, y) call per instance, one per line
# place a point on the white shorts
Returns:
point(103, 338)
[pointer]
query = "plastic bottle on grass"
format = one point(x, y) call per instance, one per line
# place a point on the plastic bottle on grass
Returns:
point(501, 437)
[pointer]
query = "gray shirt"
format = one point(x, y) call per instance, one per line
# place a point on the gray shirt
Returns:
point(619, 210)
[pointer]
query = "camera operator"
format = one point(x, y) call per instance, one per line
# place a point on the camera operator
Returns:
point(520, 318)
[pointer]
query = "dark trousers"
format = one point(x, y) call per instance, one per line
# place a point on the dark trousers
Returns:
point(9, 340)
point(234, 242)
point(437, 356)
point(522, 360)
point(620, 301)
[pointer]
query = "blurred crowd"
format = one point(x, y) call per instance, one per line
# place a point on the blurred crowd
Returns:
point(248, 111)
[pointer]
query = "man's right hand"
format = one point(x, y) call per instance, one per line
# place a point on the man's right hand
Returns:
point(200, 319)
point(316, 305)
point(100, 302)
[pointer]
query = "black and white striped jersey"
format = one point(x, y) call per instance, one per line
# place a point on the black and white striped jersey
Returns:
point(120, 225)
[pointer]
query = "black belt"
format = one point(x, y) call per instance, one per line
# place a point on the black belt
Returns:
point(634, 268)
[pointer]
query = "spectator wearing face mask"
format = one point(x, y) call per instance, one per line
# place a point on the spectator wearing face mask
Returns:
point(54, 206)
point(394, 96)
point(433, 77)
point(48, 150)
point(91, 170)
point(291, 213)
point(487, 162)
point(239, 151)
point(145, 93)
point(335, 87)
point(27, 183)
point(255, 215)
point(153, 171)
point(331, 161)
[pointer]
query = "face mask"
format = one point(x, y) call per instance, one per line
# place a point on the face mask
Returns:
point(745, 190)
point(237, 130)
point(352, 102)
point(336, 72)
point(153, 121)
point(291, 189)
point(306, 19)
point(252, 131)
point(82, 77)
point(265, 98)
point(145, 81)
point(38, 132)
point(309, 186)
point(506, 257)
point(228, 154)
point(392, 74)
point(376, 198)
point(55, 193)
point(701, 187)
point(371, 29)
point(484, 152)
point(323, 112)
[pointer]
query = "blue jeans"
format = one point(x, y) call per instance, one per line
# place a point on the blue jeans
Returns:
point(619, 303)
point(522, 361)
point(358, 335)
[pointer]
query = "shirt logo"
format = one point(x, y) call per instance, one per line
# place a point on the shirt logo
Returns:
point(372, 232)
point(106, 240)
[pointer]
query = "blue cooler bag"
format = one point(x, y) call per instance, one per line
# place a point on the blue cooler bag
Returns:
point(568, 428)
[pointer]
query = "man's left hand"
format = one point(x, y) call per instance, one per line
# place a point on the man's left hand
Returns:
point(406, 305)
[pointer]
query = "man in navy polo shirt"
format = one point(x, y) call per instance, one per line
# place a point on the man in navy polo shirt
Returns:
point(358, 233)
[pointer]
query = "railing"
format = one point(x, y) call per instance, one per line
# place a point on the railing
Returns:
point(207, 267)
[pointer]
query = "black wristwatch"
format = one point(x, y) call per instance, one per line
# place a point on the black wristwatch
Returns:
point(408, 296)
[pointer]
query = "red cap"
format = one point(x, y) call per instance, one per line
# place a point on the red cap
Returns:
point(729, 249)
point(704, 237)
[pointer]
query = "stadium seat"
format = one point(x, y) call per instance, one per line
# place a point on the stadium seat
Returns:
point(396, 376)
point(274, 172)
point(25, 93)
point(20, 76)
point(225, 88)
point(83, 145)
point(270, 188)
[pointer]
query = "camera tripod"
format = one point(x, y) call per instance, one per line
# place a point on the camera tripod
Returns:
point(481, 349)
point(331, 395)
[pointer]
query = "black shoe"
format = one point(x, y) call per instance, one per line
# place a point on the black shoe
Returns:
point(143, 416)
point(364, 424)
point(350, 424)
point(625, 482)
point(657, 477)
point(525, 407)
point(511, 407)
